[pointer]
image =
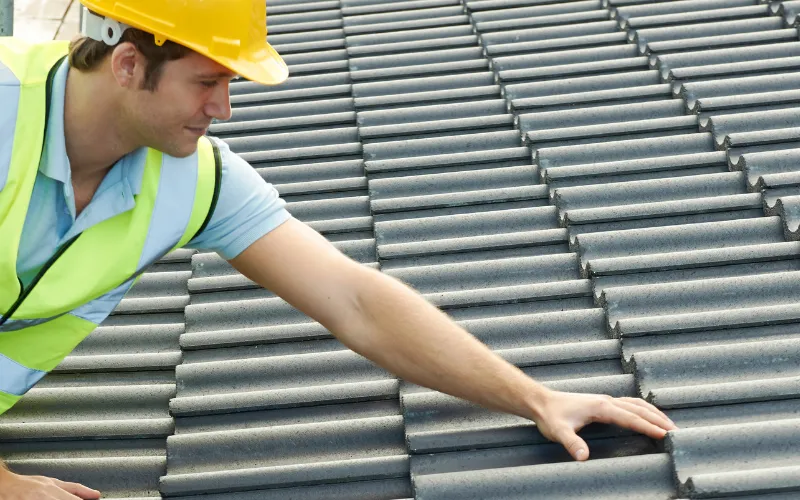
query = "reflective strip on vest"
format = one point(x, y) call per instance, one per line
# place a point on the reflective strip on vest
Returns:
point(173, 207)
point(9, 96)
point(95, 311)
point(17, 379)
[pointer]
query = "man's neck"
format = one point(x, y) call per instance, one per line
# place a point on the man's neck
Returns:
point(92, 134)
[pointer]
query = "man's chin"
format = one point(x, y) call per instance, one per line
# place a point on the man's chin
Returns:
point(183, 149)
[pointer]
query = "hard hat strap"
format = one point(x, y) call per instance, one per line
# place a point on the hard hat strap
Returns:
point(102, 29)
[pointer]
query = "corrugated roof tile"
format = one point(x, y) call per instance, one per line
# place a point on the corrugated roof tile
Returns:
point(643, 478)
point(703, 467)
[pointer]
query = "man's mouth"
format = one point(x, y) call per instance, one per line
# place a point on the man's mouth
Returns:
point(198, 131)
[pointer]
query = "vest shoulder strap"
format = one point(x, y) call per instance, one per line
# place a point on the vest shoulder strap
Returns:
point(209, 179)
point(31, 63)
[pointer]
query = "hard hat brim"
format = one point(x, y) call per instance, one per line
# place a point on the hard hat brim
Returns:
point(261, 64)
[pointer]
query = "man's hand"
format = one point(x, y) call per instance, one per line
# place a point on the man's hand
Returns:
point(562, 414)
point(17, 487)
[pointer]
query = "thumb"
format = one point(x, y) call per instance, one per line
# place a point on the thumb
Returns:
point(576, 446)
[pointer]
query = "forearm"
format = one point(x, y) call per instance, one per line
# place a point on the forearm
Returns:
point(400, 331)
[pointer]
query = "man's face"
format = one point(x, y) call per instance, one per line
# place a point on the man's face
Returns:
point(190, 93)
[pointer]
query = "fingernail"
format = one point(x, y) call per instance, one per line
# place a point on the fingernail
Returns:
point(581, 454)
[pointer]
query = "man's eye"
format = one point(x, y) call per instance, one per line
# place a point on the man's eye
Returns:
point(209, 85)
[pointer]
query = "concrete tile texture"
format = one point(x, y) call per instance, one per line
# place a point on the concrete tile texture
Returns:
point(605, 192)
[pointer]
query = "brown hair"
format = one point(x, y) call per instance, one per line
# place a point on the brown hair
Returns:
point(86, 54)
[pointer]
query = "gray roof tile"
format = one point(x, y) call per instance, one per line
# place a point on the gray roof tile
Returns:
point(515, 456)
point(721, 41)
point(789, 209)
point(647, 9)
point(507, 50)
point(118, 477)
point(633, 149)
point(247, 459)
point(787, 9)
point(294, 24)
point(721, 374)
point(312, 17)
point(687, 238)
point(630, 194)
point(706, 338)
point(745, 300)
point(696, 16)
point(659, 127)
point(658, 167)
point(573, 69)
point(546, 35)
point(691, 32)
point(512, 22)
point(383, 17)
point(291, 40)
point(540, 59)
point(581, 84)
point(703, 468)
point(489, 274)
point(394, 489)
point(643, 478)
point(623, 96)
point(280, 8)
point(745, 102)
point(540, 9)
point(731, 56)
point(474, 6)
point(692, 91)
point(450, 42)
point(764, 66)
point(359, 8)
point(414, 21)
point(773, 126)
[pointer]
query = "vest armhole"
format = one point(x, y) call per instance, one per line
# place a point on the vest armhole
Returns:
point(215, 196)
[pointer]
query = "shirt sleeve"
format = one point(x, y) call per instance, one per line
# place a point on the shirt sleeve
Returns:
point(248, 208)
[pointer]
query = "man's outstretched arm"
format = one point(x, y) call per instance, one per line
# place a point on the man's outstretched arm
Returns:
point(387, 322)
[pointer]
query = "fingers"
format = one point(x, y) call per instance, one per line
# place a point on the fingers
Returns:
point(78, 490)
point(645, 404)
point(576, 446)
point(63, 495)
point(611, 412)
point(651, 416)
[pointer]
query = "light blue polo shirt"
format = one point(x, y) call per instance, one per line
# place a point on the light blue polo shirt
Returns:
point(248, 208)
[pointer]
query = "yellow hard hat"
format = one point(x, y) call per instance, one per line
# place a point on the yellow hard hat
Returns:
point(230, 32)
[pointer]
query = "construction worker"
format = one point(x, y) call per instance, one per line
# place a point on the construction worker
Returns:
point(105, 168)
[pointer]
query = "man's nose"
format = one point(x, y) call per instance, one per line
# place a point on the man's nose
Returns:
point(219, 106)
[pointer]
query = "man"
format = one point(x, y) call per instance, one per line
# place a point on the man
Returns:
point(104, 154)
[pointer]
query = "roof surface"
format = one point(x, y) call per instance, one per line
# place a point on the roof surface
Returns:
point(605, 192)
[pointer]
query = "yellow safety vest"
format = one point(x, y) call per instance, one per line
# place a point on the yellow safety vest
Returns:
point(81, 284)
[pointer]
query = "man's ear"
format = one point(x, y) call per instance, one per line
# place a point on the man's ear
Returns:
point(126, 62)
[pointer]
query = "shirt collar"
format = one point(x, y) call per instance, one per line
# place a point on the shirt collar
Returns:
point(55, 163)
